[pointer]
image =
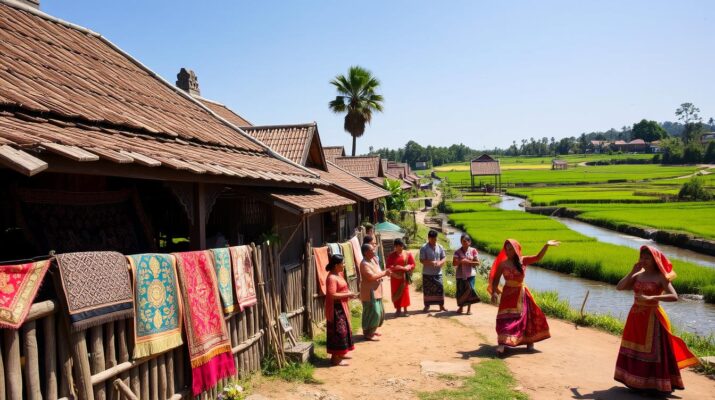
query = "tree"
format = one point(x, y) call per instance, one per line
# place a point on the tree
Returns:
point(357, 98)
point(672, 149)
point(649, 131)
point(710, 153)
point(687, 112)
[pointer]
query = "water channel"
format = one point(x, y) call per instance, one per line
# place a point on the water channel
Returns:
point(690, 315)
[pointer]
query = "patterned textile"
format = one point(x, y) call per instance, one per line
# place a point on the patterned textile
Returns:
point(650, 356)
point(222, 265)
point(208, 341)
point(321, 260)
point(465, 292)
point(157, 308)
point(471, 254)
point(433, 290)
point(244, 283)
point(373, 315)
point(18, 287)
point(96, 287)
point(349, 259)
point(335, 249)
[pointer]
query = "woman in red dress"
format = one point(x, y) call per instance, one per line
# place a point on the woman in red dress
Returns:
point(337, 313)
point(650, 356)
point(519, 319)
point(401, 263)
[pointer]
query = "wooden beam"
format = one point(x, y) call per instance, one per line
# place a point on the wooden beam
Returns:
point(198, 230)
point(111, 155)
point(71, 152)
point(141, 159)
point(20, 161)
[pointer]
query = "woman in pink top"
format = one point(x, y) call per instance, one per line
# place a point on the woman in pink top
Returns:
point(339, 332)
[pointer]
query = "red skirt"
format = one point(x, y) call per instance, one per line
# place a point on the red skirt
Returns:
point(400, 292)
point(519, 319)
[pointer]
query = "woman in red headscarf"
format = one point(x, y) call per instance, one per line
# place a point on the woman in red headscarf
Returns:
point(650, 356)
point(519, 319)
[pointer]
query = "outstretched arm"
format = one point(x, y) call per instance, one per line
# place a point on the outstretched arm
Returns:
point(534, 259)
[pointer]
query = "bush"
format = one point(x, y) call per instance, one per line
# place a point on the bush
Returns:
point(710, 153)
point(393, 215)
point(695, 190)
point(708, 293)
point(693, 153)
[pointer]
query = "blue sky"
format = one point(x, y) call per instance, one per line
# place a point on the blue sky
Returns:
point(482, 73)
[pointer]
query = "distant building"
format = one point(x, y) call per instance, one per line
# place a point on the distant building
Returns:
point(559, 164)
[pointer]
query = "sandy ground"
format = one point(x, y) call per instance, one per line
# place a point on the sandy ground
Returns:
point(573, 364)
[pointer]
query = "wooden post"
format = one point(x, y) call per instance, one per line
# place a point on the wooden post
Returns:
point(144, 378)
point(163, 389)
point(50, 359)
point(2, 373)
point(198, 229)
point(32, 363)
point(95, 335)
point(13, 373)
point(110, 358)
point(123, 348)
point(170, 374)
point(80, 355)
point(153, 379)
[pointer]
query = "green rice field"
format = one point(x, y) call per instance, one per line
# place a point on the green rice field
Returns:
point(576, 175)
point(696, 218)
point(578, 254)
point(599, 193)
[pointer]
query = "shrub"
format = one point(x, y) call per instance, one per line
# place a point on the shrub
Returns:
point(708, 293)
point(393, 215)
point(695, 189)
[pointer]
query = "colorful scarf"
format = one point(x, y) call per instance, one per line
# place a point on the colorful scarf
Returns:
point(335, 249)
point(18, 286)
point(96, 287)
point(349, 259)
point(500, 259)
point(321, 261)
point(222, 264)
point(242, 263)
point(664, 265)
point(157, 309)
point(208, 341)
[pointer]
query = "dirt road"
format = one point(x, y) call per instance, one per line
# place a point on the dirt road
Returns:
point(573, 364)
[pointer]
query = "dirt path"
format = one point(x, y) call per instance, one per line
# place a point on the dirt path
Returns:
point(573, 364)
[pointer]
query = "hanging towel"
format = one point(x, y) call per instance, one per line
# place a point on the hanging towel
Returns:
point(222, 265)
point(208, 341)
point(321, 261)
point(157, 309)
point(18, 286)
point(244, 284)
point(335, 249)
point(357, 250)
point(96, 287)
point(349, 259)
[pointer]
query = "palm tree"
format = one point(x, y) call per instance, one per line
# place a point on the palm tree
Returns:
point(357, 98)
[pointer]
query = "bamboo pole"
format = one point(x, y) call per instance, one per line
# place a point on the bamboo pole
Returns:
point(13, 373)
point(153, 380)
point(124, 390)
point(171, 389)
point(81, 356)
point(163, 390)
point(96, 341)
point(50, 359)
point(123, 355)
point(144, 378)
point(135, 381)
point(110, 357)
point(32, 362)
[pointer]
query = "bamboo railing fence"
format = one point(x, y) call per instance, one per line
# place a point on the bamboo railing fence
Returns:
point(43, 360)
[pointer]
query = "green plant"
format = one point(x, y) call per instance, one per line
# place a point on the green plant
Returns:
point(695, 189)
point(292, 372)
point(491, 380)
point(397, 200)
point(232, 392)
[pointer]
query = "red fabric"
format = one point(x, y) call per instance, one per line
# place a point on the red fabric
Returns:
point(335, 284)
point(500, 259)
point(18, 287)
point(321, 261)
point(519, 319)
point(664, 265)
point(650, 356)
point(397, 279)
point(207, 337)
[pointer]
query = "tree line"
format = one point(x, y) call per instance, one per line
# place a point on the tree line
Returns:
point(680, 143)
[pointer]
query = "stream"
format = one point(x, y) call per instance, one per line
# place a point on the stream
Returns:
point(693, 316)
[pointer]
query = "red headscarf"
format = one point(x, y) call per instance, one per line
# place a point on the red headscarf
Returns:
point(664, 265)
point(501, 258)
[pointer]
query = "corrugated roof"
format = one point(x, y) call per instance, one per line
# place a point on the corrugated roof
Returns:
point(348, 182)
point(311, 200)
point(332, 152)
point(225, 112)
point(362, 166)
point(61, 85)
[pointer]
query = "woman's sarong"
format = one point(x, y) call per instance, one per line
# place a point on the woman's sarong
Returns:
point(519, 319)
point(466, 294)
point(373, 315)
point(433, 290)
point(340, 337)
point(400, 292)
point(650, 356)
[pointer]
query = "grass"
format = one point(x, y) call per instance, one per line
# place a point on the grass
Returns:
point(697, 218)
point(578, 175)
point(491, 380)
point(320, 338)
point(528, 162)
point(578, 254)
point(597, 193)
